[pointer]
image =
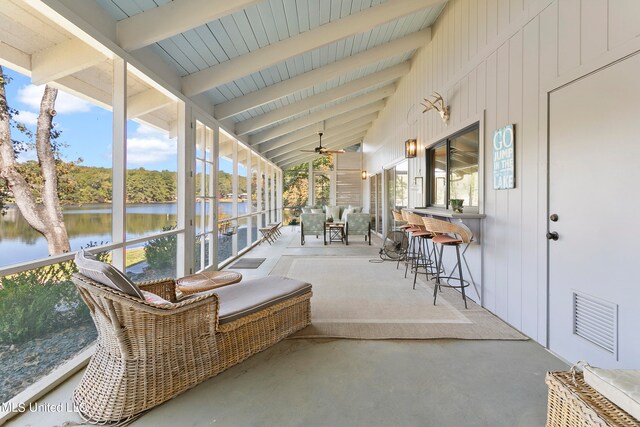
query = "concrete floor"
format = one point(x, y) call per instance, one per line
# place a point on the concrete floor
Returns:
point(356, 383)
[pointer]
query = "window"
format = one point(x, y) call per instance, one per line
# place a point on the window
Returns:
point(397, 189)
point(453, 166)
point(205, 196)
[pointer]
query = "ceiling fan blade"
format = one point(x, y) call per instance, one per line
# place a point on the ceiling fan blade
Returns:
point(308, 151)
point(333, 151)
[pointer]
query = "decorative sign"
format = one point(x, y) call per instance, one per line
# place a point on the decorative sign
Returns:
point(504, 158)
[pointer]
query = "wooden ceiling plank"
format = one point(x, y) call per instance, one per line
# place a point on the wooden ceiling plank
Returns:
point(146, 102)
point(173, 18)
point(204, 80)
point(312, 78)
point(354, 86)
point(321, 115)
point(15, 59)
point(293, 151)
point(329, 135)
point(63, 60)
point(331, 123)
point(295, 161)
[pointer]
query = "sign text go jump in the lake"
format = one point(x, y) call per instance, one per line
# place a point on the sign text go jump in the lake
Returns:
point(504, 158)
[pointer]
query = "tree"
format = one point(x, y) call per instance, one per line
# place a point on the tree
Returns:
point(46, 216)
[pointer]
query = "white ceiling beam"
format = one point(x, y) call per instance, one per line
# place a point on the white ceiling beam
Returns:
point(15, 59)
point(63, 60)
point(322, 74)
point(321, 115)
point(330, 142)
point(272, 54)
point(83, 90)
point(329, 134)
point(329, 124)
point(146, 102)
point(296, 108)
point(173, 18)
point(297, 160)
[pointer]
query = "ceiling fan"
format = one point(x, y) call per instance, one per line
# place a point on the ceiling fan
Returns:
point(322, 150)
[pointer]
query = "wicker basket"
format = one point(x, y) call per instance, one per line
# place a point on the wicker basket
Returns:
point(146, 354)
point(573, 403)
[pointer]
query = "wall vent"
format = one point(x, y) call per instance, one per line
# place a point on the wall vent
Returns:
point(596, 321)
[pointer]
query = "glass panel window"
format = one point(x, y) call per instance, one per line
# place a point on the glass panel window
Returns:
point(254, 182)
point(243, 182)
point(152, 260)
point(453, 166)
point(463, 168)
point(254, 228)
point(81, 140)
point(438, 168)
point(243, 237)
point(226, 230)
point(295, 191)
point(43, 323)
point(205, 223)
point(152, 153)
point(322, 188)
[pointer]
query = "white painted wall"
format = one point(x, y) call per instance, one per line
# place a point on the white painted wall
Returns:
point(498, 59)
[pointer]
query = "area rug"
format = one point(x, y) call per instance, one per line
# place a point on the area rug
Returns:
point(358, 299)
point(248, 263)
point(313, 242)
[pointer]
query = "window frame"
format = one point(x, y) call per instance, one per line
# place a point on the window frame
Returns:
point(447, 143)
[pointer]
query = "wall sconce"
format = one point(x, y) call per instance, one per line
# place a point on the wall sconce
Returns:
point(410, 148)
point(364, 175)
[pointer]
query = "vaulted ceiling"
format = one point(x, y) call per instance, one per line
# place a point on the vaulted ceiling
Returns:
point(277, 71)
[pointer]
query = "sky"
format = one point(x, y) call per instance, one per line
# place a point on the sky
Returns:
point(87, 129)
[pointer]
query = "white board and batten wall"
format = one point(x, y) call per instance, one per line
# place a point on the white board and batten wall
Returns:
point(498, 60)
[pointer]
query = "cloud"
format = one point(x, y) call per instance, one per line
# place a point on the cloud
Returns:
point(31, 96)
point(148, 130)
point(143, 151)
point(27, 117)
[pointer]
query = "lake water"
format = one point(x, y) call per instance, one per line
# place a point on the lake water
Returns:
point(87, 224)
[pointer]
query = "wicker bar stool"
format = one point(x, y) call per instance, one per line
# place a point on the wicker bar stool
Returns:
point(418, 244)
point(449, 234)
point(410, 254)
point(401, 225)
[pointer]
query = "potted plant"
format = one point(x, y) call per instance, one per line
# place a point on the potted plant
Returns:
point(456, 205)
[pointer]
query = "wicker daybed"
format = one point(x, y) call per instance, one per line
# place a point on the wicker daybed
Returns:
point(148, 353)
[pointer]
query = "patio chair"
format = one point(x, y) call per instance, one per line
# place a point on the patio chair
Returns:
point(312, 224)
point(151, 349)
point(449, 234)
point(358, 224)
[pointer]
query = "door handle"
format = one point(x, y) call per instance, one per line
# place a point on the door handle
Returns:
point(552, 235)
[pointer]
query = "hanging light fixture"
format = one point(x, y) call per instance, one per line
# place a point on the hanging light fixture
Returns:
point(410, 148)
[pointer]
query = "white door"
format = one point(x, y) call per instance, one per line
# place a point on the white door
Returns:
point(594, 189)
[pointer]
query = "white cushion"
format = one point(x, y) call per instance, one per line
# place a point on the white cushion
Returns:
point(621, 387)
point(316, 211)
point(344, 214)
point(355, 209)
point(105, 274)
point(333, 212)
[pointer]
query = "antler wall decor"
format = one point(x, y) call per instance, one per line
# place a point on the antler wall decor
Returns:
point(442, 109)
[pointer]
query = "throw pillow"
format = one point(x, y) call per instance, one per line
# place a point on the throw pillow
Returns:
point(106, 274)
point(333, 212)
point(344, 214)
point(355, 209)
point(306, 209)
point(316, 211)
